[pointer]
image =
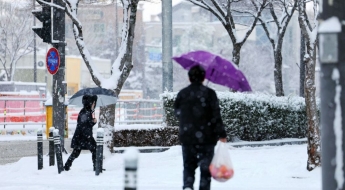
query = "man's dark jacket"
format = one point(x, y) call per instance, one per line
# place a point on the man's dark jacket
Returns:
point(197, 109)
point(82, 138)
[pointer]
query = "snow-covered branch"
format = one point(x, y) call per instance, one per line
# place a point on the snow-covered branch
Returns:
point(51, 4)
point(205, 5)
point(251, 28)
point(72, 7)
point(224, 10)
point(268, 33)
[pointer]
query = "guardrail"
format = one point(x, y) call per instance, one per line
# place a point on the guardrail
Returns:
point(43, 124)
point(127, 112)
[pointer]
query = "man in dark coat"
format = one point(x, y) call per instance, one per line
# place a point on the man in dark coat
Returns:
point(82, 138)
point(201, 126)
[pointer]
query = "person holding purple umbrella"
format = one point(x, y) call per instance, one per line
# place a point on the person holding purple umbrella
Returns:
point(217, 69)
point(201, 126)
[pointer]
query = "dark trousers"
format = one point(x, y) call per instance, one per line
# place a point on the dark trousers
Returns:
point(75, 154)
point(194, 156)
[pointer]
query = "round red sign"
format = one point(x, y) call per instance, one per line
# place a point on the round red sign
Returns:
point(53, 61)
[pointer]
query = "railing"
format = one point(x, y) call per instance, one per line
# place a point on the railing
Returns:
point(140, 110)
point(127, 112)
point(16, 109)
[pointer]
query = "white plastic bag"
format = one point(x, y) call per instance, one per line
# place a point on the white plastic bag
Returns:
point(221, 167)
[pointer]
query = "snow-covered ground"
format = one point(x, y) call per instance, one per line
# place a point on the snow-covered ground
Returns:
point(261, 168)
point(31, 130)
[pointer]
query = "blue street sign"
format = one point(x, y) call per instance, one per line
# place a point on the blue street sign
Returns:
point(53, 61)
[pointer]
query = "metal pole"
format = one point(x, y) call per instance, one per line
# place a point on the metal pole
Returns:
point(58, 87)
point(40, 149)
point(99, 151)
point(131, 167)
point(35, 58)
point(46, 81)
point(167, 45)
point(332, 94)
point(51, 147)
point(58, 152)
point(5, 112)
point(116, 31)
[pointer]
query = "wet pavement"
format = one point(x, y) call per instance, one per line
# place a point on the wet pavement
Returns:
point(12, 151)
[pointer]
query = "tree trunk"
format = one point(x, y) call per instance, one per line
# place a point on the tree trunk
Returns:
point(278, 78)
point(314, 147)
point(107, 115)
point(236, 54)
point(302, 67)
point(9, 78)
point(107, 121)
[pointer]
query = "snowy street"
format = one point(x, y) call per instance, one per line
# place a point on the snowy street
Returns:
point(260, 168)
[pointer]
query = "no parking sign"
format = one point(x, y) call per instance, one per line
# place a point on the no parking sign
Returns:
point(53, 61)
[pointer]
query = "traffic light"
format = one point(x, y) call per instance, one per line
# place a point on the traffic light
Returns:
point(44, 16)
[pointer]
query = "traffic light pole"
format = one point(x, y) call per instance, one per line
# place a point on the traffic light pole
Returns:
point(59, 91)
point(35, 57)
point(53, 32)
point(331, 38)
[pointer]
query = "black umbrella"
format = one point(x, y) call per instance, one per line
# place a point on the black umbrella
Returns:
point(104, 96)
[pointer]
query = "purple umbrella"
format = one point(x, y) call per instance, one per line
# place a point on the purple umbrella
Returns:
point(218, 70)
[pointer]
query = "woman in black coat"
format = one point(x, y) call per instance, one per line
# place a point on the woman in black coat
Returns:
point(82, 138)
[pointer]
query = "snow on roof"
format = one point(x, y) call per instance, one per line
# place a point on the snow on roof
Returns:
point(331, 25)
point(93, 58)
point(49, 102)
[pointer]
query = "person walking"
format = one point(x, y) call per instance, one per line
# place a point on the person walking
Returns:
point(201, 126)
point(82, 138)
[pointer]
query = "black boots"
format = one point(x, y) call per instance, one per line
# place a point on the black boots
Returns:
point(66, 168)
point(68, 165)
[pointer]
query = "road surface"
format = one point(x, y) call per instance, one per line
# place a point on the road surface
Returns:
point(12, 151)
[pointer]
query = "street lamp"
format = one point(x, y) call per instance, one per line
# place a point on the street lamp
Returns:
point(328, 35)
point(332, 106)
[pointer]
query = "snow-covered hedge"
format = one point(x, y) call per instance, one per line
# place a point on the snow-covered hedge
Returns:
point(165, 136)
point(254, 117)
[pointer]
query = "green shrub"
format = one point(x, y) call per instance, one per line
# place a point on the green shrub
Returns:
point(167, 136)
point(253, 117)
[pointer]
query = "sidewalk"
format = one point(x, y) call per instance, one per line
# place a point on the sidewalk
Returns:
point(276, 142)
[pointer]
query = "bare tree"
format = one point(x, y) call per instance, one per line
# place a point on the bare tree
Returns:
point(121, 66)
point(16, 36)
point(281, 13)
point(231, 13)
point(309, 30)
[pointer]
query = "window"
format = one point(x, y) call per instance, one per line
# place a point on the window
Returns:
point(99, 28)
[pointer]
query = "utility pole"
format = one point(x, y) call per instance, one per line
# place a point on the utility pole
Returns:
point(331, 44)
point(167, 45)
point(35, 57)
point(116, 32)
point(59, 88)
point(53, 32)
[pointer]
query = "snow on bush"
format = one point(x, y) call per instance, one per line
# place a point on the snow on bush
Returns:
point(167, 136)
point(253, 117)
